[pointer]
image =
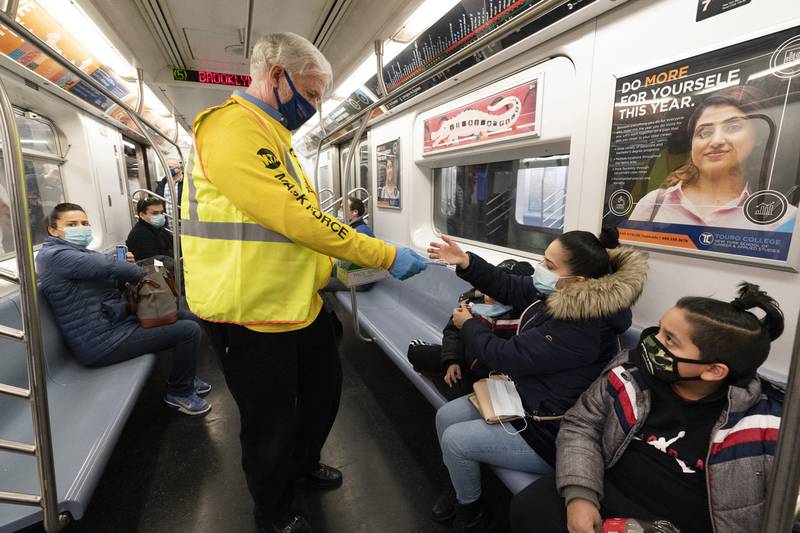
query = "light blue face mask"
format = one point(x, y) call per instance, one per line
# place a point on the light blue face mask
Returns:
point(491, 310)
point(544, 280)
point(158, 220)
point(78, 235)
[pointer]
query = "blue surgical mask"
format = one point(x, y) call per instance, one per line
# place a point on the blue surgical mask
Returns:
point(491, 310)
point(544, 280)
point(158, 220)
point(78, 235)
point(297, 110)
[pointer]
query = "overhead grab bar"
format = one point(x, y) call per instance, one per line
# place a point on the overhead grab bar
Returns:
point(31, 324)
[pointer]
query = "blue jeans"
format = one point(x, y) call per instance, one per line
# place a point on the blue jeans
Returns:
point(467, 441)
point(183, 336)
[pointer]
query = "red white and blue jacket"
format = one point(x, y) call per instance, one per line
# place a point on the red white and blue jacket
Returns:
point(598, 429)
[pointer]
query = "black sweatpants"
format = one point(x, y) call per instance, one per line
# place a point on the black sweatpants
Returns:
point(287, 387)
point(539, 508)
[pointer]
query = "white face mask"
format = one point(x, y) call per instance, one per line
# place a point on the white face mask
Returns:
point(505, 398)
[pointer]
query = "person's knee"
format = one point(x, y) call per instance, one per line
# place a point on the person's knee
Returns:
point(453, 441)
point(190, 329)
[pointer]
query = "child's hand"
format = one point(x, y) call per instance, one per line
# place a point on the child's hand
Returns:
point(448, 252)
point(460, 315)
point(582, 516)
point(129, 257)
point(453, 375)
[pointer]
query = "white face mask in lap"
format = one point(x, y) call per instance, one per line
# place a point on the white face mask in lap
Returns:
point(506, 401)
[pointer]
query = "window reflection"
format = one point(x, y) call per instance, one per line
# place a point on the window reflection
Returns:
point(516, 204)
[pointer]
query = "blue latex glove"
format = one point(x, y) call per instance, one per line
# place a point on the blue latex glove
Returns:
point(407, 263)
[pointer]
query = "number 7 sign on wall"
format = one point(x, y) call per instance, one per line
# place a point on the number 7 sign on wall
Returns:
point(711, 8)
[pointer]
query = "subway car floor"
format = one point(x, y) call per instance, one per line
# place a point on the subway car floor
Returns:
point(176, 474)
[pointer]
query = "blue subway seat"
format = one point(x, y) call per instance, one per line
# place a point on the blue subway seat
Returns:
point(88, 410)
point(394, 313)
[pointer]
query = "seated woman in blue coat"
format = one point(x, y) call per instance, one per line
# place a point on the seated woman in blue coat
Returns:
point(572, 308)
point(83, 288)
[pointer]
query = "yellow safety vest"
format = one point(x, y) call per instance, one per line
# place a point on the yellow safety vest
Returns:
point(255, 244)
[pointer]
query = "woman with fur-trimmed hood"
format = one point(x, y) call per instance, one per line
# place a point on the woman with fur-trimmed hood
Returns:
point(573, 308)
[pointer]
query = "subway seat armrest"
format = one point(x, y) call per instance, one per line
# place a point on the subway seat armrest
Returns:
point(88, 410)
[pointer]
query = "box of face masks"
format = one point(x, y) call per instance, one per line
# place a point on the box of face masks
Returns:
point(353, 275)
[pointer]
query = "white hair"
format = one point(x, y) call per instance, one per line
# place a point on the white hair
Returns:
point(291, 51)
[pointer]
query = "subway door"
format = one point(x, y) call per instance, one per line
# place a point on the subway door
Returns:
point(105, 145)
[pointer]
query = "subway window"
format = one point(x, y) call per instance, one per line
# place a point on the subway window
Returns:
point(41, 159)
point(515, 204)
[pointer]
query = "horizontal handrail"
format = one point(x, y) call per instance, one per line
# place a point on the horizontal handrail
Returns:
point(12, 333)
point(17, 447)
point(151, 193)
point(11, 390)
point(531, 14)
point(20, 498)
point(9, 275)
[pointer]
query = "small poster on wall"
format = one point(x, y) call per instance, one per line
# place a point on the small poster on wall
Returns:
point(704, 152)
point(502, 116)
point(388, 155)
point(711, 8)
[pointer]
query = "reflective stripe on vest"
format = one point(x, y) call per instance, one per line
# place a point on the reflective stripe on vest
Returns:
point(229, 231)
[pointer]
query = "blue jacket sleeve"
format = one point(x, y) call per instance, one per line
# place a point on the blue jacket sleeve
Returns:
point(533, 352)
point(73, 264)
point(510, 289)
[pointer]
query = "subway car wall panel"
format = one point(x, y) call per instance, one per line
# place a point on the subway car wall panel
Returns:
point(579, 242)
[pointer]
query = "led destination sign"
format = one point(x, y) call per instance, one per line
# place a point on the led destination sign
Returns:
point(214, 78)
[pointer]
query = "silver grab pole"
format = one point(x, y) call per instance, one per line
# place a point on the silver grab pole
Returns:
point(31, 324)
point(176, 238)
point(379, 60)
point(781, 506)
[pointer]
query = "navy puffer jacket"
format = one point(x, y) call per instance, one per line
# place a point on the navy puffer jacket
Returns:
point(564, 340)
point(83, 289)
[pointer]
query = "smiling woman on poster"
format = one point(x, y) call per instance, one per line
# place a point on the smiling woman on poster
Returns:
point(723, 168)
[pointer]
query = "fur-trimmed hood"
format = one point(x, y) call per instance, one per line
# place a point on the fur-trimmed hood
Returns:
point(606, 296)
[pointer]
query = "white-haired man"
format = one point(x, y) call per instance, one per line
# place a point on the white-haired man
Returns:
point(256, 250)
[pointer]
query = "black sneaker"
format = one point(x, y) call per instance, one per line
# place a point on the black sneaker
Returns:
point(324, 477)
point(445, 507)
point(294, 523)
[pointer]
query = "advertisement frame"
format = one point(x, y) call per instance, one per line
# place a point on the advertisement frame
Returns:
point(533, 134)
point(792, 261)
point(399, 184)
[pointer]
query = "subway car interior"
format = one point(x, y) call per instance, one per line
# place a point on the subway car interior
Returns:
point(437, 177)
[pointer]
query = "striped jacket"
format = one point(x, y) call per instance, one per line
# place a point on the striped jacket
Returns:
point(597, 430)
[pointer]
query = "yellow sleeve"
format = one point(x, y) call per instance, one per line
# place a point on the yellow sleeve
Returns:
point(247, 165)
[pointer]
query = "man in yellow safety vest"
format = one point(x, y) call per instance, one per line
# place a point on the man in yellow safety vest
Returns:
point(256, 250)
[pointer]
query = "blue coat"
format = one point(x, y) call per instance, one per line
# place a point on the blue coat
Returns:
point(564, 340)
point(361, 227)
point(83, 290)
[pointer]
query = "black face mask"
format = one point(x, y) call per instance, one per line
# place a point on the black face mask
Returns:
point(659, 362)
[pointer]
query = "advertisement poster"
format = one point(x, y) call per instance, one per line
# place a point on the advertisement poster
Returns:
point(465, 23)
point(508, 114)
point(704, 152)
point(39, 22)
point(388, 155)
